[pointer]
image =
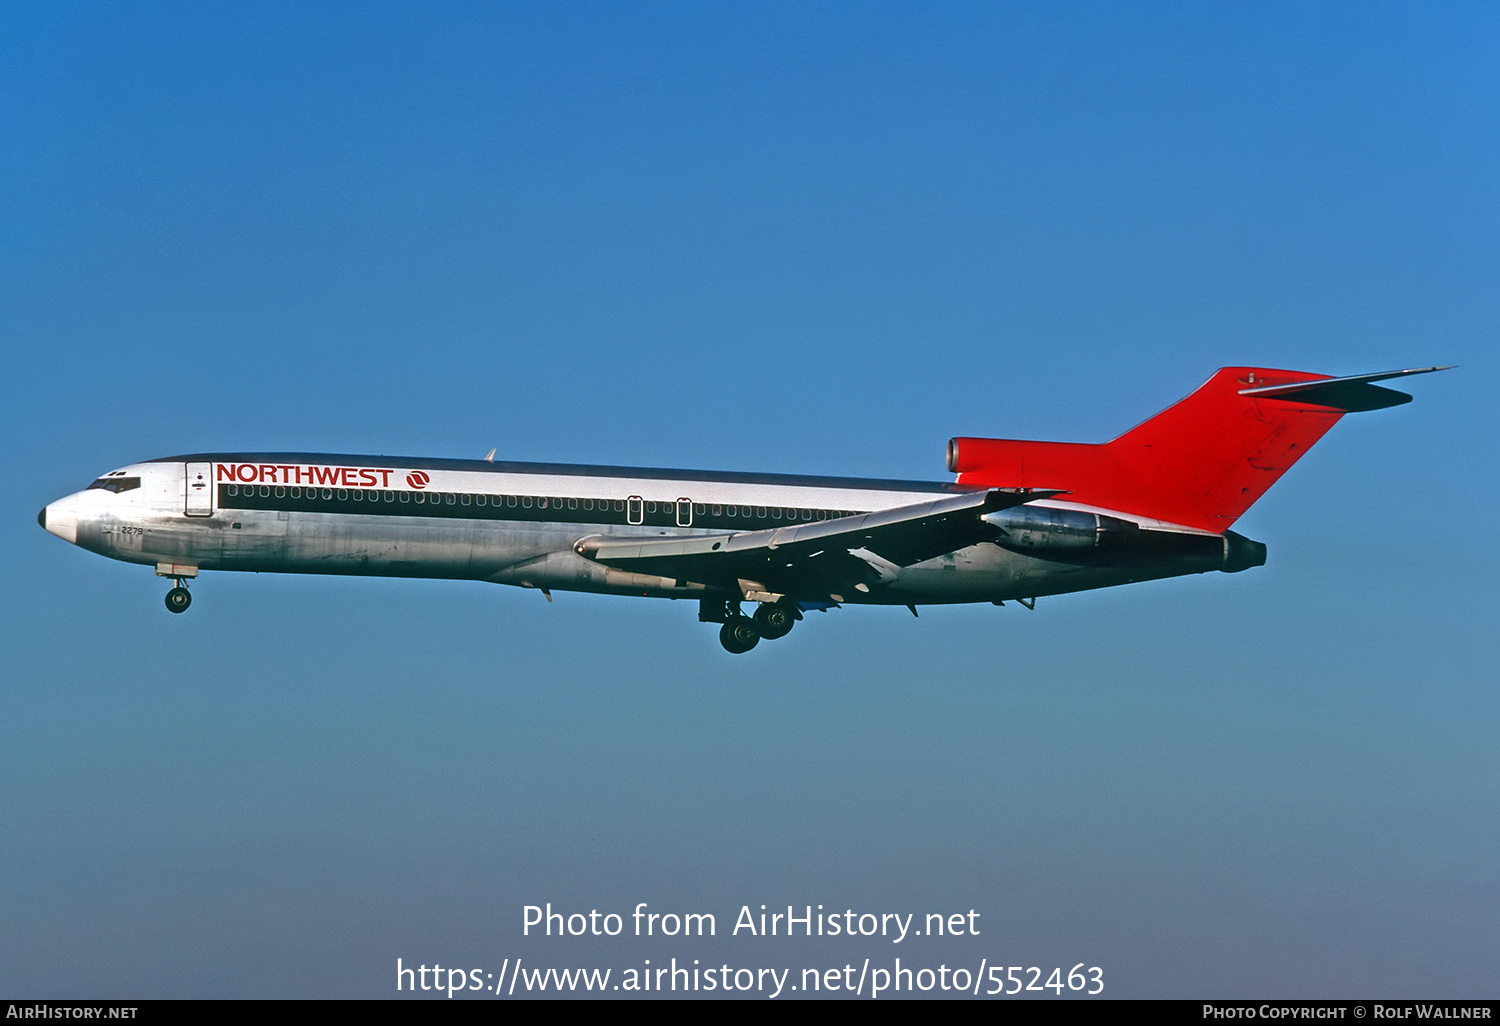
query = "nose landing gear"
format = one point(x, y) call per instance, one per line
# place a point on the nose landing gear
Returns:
point(178, 599)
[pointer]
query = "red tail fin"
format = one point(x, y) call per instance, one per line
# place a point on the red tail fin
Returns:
point(1200, 463)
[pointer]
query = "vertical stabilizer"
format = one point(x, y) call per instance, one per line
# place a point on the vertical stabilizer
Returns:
point(1202, 461)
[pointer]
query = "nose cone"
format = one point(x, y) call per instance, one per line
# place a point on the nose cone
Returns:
point(61, 519)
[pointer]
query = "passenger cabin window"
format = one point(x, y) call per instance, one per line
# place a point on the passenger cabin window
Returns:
point(116, 484)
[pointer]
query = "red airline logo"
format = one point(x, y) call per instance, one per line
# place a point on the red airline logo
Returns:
point(304, 474)
point(417, 479)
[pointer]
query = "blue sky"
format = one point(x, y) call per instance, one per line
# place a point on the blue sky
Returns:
point(794, 238)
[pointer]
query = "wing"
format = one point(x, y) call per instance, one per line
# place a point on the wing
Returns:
point(817, 560)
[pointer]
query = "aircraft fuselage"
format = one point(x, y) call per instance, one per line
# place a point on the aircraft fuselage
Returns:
point(521, 524)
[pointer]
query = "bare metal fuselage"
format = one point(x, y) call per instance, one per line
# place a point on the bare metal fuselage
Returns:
point(522, 524)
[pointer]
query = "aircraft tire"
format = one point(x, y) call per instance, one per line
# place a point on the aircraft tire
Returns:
point(739, 635)
point(774, 620)
point(178, 600)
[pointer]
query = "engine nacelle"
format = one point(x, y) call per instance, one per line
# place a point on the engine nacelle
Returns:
point(1096, 539)
point(1044, 531)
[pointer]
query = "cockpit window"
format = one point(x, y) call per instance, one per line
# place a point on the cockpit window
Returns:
point(116, 484)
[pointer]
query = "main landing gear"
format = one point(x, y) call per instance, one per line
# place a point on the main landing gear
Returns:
point(741, 633)
point(178, 598)
point(776, 619)
point(738, 634)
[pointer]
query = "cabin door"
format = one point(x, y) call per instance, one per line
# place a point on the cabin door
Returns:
point(200, 490)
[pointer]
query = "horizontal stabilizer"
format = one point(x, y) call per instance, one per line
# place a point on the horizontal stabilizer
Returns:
point(1352, 394)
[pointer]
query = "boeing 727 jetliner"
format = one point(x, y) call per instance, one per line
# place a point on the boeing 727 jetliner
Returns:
point(1022, 520)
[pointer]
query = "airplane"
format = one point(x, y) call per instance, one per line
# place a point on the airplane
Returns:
point(1022, 519)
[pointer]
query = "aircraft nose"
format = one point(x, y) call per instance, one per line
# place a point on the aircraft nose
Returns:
point(61, 518)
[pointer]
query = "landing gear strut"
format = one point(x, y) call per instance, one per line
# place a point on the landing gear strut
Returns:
point(178, 598)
